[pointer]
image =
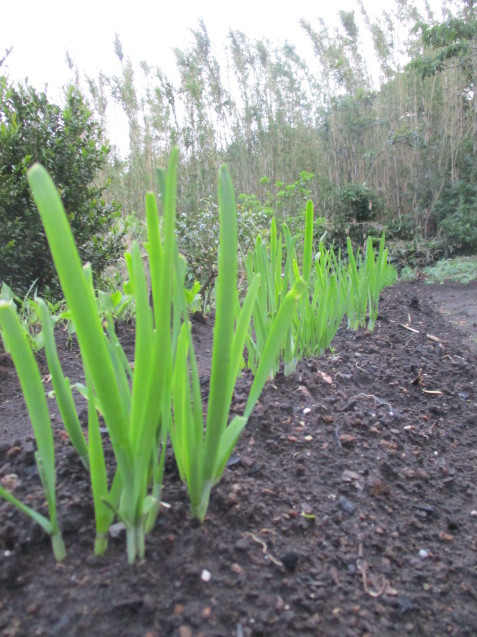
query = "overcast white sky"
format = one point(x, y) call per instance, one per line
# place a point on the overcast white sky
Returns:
point(42, 31)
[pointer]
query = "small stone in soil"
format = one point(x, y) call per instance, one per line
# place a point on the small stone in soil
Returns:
point(13, 451)
point(59, 627)
point(347, 505)
point(289, 560)
point(233, 460)
point(115, 530)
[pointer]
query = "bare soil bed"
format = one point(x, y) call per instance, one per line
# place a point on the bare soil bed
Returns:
point(350, 508)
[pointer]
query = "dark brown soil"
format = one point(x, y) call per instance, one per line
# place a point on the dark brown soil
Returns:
point(351, 509)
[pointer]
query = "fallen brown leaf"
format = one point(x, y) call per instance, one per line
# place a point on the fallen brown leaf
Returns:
point(326, 377)
point(347, 439)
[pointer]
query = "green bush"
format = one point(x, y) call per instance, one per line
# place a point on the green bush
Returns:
point(198, 239)
point(359, 203)
point(456, 213)
point(67, 141)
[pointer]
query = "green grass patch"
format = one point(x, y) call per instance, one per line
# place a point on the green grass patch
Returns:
point(460, 269)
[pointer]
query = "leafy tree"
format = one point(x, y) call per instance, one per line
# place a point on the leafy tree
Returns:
point(450, 52)
point(67, 141)
point(450, 41)
point(452, 44)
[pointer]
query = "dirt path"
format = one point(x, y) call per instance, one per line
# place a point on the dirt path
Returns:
point(458, 304)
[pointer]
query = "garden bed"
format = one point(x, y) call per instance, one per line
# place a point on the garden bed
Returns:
point(349, 507)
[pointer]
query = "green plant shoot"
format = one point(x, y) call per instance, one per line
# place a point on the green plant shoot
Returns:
point(16, 342)
point(136, 416)
point(202, 457)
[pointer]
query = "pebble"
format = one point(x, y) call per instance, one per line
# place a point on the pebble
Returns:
point(115, 530)
point(233, 460)
point(241, 545)
point(287, 616)
point(347, 505)
point(423, 554)
point(10, 481)
point(13, 451)
point(239, 630)
point(61, 625)
point(289, 560)
point(148, 602)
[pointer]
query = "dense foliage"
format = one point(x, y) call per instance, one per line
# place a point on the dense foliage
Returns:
point(67, 141)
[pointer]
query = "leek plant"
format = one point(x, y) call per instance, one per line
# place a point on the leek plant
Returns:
point(379, 274)
point(16, 342)
point(61, 385)
point(202, 456)
point(28, 314)
point(367, 278)
point(323, 312)
point(135, 401)
point(357, 290)
point(321, 309)
point(276, 279)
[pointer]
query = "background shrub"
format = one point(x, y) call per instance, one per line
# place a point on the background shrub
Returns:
point(198, 238)
point(67, 141)
point(359, 203)
point(456, 213)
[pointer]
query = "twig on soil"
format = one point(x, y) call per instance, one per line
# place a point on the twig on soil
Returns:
point(363, 568)
point(420, 382)
point(265, 549)
point(337, 435)
point(407, 327)
point(450, 358)
point(378, 400)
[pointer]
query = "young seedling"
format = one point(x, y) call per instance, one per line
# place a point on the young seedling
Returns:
point(276, 280)
point(357, 290)
point(135, 403)
point(202, 456)
point(379, 274)
point(16, 342)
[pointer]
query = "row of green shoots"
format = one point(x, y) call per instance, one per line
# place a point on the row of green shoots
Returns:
point(285, 315)
point(335, 287)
